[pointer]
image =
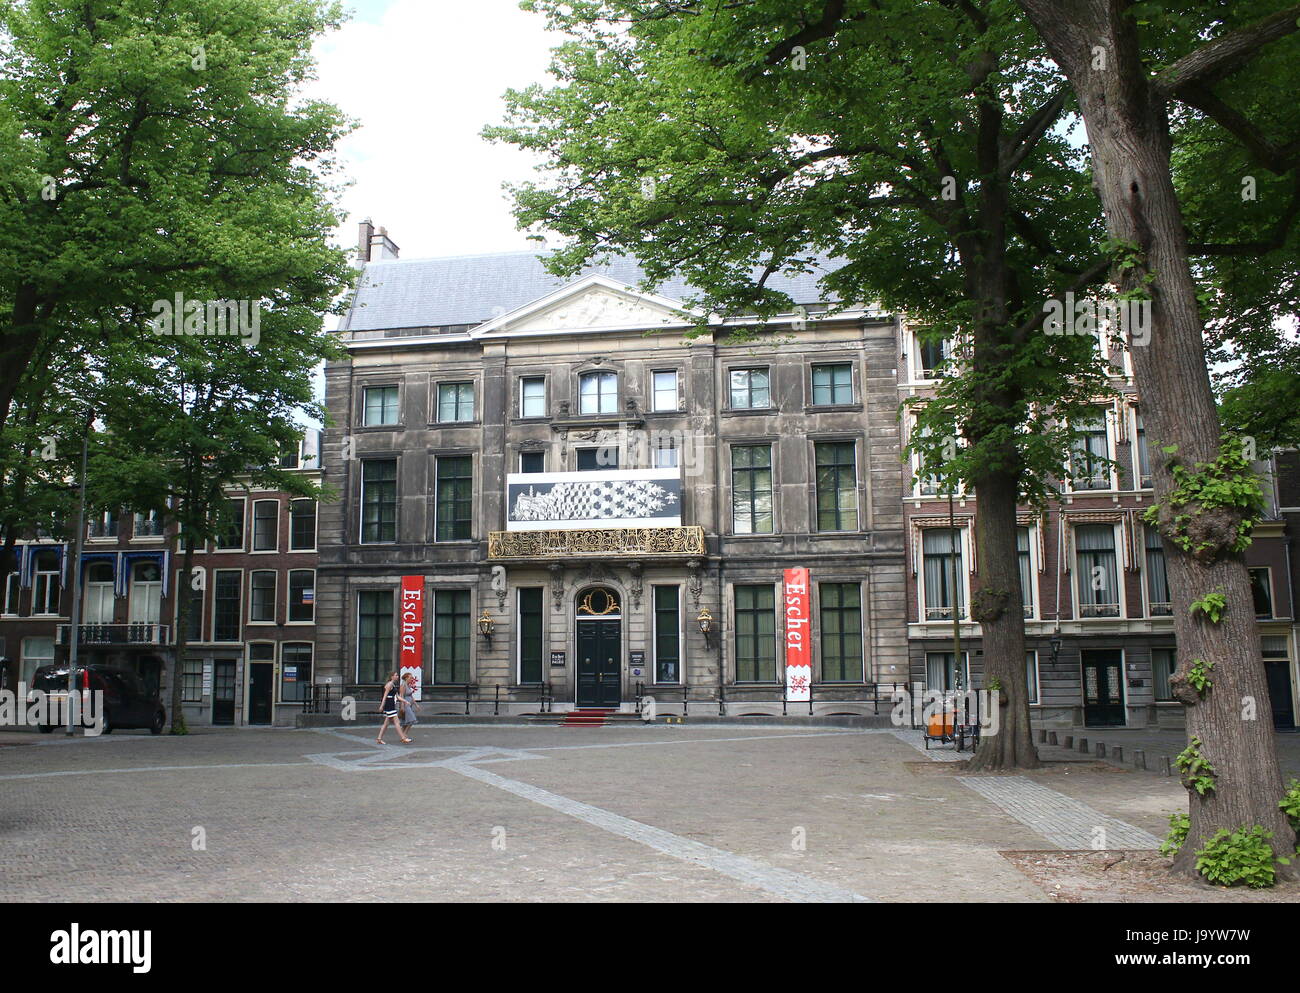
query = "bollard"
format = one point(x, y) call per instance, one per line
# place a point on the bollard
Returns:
point(1169, 769)
point(1119, 753)
point(1083, 745)
point(1139, 758)
point(1069, 741)
point(1051, 738)
point(1101, 749)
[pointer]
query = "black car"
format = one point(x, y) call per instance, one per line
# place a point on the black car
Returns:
point(128, 703)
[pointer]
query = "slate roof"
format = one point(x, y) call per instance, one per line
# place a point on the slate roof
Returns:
point(471, 289)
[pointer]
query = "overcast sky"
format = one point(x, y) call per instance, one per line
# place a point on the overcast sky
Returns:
point(422, 78)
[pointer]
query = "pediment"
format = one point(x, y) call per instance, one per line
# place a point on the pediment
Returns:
point(591, 304)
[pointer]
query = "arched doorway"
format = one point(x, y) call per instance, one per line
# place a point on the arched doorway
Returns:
point(599, 618)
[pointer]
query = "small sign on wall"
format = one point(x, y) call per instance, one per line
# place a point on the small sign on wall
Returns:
point(557, 660)
point(637, 661)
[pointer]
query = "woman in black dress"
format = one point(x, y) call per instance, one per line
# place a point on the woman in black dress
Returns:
point(391, 707)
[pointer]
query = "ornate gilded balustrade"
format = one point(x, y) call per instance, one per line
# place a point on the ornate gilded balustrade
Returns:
point(563, 544)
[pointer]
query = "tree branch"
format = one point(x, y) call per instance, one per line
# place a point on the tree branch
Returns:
point(1221, 56)
point(1277, 159)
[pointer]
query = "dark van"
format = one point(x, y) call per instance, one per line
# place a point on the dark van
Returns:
point(128, 703)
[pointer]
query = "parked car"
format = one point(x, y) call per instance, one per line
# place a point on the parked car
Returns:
point(128, 703)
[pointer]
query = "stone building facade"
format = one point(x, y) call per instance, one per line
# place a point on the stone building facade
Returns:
point(595, 507)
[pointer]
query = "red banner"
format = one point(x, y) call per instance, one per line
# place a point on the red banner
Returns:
point(798, 627)
point(411, 656)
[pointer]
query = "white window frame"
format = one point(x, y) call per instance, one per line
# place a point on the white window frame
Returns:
point(963, 573)
point(1121, 590)
point(239, 627)
point(523, 396)
point(315, 524)
point(53, 588)
point(1112, 482)
point(600, 394)
point(288, 593)
point(655, 391)
point(681, 637)
point(365, 406)
point(275, 594)
point(275, 529)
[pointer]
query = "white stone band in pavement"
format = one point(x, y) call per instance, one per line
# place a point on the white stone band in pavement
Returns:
point(1062, 820)
point(779, 882)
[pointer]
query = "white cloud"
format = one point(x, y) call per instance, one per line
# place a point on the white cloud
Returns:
point(422, 78)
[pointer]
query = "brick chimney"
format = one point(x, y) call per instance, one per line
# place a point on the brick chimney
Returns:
point(364, 237)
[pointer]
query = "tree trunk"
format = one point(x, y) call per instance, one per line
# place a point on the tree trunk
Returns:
point(996, 606)
point(184, 605)
point(1129, 132)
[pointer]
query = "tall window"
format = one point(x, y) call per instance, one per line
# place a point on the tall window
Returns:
point(1143, 455)
point(665, 453)
point(266, 522)
point(12, 592)
point(1164, 663)
point(841, 630)
point(1158, 599)
point(451, 636)
point(36, 653)
point(103, 525)
point(755, 634)
point(750, 389)
point(933, 352)
point(145, 604)
point(380, 406)
point(942, 555)
point(226, 597)
point(532, 396)
point(598, 393)
point(374, 635)
point(532, 461)
point(455, 511)
point(751, 489)
point(295, 670)
point(1098, 578)
point(1091, 452)
point(302, 595)
point(185, 587)
point(1031, 675)
point(455, 402)
point(379, 500)
point(192, 681)
point(148, 524)
point(837, 486)
point(1026, 571)
point(1261, 587)
point(531, 635)
point(46, 587)
point(261, 602)
point(942, 673)
point(832, 383)
point(668, 634)
point(665, 390)
point(97, 604)
point(233, 534)
point(302, 525)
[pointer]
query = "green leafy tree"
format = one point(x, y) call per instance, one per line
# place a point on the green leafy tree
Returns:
point(1137, 70)
point(145, 146)
point(922, 145)
point(184, 426)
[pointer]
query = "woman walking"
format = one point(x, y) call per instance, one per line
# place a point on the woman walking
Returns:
point(390, 707)
point(408, 705)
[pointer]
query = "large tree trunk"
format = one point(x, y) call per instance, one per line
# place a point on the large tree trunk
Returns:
point(1129, 133)
point(996, 606)
point(184, 605)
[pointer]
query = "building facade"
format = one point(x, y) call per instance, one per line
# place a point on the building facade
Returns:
point(552, 498)
point(1097, 607)
point(251, 647)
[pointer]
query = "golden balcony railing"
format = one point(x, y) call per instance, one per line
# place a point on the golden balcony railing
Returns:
point(566, 543)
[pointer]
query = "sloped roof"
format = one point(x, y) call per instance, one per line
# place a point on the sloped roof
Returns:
point(471, 289)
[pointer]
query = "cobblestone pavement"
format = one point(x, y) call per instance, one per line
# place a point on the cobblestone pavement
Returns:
point(505, 812)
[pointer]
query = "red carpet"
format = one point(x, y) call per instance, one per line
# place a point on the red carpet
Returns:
point(587, 718)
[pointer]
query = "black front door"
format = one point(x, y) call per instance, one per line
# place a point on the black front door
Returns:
point(1279, 694)
point(1103, 689)
point(223, 692)
point(599, 650)
point(261, 692)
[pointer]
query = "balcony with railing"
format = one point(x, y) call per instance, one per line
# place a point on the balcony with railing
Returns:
point(135, 633)
point(596, 543)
